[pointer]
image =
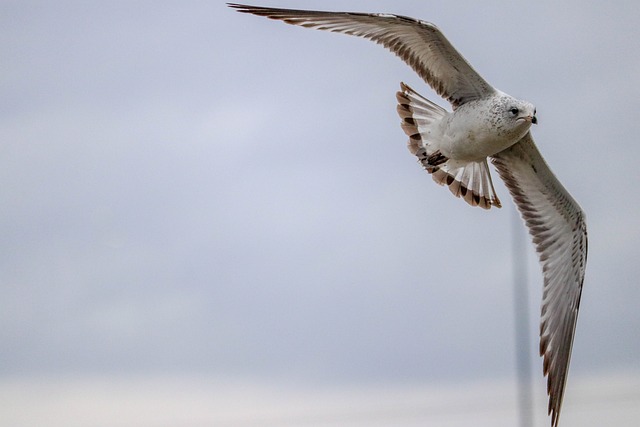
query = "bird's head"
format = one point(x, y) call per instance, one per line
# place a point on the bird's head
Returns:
point(512, 117)
point(522, 112)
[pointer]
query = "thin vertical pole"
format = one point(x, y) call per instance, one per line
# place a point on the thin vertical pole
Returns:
point(521, 305)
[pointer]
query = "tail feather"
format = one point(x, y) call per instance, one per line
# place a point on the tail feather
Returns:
point(469, 180)
point(416, 112)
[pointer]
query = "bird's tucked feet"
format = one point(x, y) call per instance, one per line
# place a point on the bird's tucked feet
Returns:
point(469, 180)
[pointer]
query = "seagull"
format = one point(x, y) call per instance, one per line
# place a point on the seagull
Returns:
point(455, 146)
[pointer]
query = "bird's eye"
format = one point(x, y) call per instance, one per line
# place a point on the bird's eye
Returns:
point(514, 111)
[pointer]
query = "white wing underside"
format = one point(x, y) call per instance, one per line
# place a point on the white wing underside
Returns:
point(557, 225)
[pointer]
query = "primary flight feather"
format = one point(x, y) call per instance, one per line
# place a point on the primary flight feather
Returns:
point(454, 146)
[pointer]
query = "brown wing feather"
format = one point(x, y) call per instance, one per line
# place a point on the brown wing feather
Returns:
point(420, 44)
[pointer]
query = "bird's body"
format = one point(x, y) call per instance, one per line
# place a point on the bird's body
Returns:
point(455, 146)
point(480, 128)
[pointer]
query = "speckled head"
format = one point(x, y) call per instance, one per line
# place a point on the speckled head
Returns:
point(522, 111)
point(513, 116)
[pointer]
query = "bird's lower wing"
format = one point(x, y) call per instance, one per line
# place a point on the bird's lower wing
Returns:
point(557, 225)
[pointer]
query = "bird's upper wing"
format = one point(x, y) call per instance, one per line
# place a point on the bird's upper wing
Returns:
point(557, 225)
point(420, 44)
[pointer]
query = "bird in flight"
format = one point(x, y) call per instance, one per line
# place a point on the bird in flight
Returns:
point(455, 146)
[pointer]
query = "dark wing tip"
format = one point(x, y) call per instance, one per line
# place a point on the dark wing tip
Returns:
point(256, 10)
point(237, 6)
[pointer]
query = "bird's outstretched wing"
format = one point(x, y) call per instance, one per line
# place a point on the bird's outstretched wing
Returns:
point(557, 225)
point(420, 44)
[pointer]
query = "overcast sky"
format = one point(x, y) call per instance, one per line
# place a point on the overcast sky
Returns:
point(189, 191)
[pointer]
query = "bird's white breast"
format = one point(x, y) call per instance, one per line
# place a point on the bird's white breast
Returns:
point(476, 130)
